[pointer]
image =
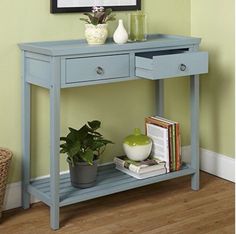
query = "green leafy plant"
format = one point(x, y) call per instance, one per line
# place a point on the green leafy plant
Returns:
point(84, 144)
point(99, 15)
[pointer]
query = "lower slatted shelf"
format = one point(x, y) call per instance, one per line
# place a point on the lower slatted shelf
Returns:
point(109, 181)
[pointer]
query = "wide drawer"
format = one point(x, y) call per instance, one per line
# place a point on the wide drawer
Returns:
point(167, 64)
point(96, 68)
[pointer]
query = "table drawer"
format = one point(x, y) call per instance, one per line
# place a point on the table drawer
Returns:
point(96, 68)
point(172, 63)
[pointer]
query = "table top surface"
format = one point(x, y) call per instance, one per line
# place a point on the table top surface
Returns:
point(58, 48)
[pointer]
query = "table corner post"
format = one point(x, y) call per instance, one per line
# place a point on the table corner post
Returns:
point(55, 142)
point(194, 86)
point(25, 122)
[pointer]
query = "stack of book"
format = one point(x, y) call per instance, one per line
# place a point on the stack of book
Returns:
point(140, 170)
point(165, 135)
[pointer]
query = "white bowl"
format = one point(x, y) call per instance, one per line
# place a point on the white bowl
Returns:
point(137, 152)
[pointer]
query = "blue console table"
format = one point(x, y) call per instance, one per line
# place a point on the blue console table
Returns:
point(64, 64)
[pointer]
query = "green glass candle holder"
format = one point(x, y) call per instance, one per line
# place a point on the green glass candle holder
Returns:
point(137, 26)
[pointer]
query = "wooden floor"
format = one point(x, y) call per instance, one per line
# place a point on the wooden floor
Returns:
point(167, 207)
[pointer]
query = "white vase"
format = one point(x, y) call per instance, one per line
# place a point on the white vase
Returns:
point(96, 34)
point(120, 36)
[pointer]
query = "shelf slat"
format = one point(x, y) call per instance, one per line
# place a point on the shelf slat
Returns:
point(109, 181)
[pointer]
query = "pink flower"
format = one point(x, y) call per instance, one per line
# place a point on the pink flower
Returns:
point(97, 9)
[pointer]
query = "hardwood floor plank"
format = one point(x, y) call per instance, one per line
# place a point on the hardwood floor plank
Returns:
point(167, 207)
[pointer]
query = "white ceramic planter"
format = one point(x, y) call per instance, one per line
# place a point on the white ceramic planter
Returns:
point(138, 152)
point(137, 146)
point(96, 34)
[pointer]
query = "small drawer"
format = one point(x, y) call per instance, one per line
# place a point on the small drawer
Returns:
point(172, 63)
point(96, 68)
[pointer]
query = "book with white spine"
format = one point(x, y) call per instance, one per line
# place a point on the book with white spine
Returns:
point(160, 148)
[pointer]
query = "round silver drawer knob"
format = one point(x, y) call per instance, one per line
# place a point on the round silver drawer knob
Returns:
point(182, 67)
point(100, 71)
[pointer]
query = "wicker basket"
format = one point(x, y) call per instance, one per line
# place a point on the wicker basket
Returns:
point(5, 159)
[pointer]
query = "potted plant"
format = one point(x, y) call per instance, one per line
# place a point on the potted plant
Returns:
point(83, 148)
point(96, 31)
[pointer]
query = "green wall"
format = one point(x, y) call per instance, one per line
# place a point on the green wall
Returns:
point(30, 20)
point(213, 20)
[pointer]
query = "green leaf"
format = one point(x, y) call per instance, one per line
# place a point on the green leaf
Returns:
point(63, 151)
point(108, 11)
point(104, 141)
point(83, 132)
point(94, 125)
point(88, 141)
point(89, 15)
point(87, 156)
point(63, 138)
point(95, 21)
point(63, 145)
point(97, 145)
point(86, 20)
point(73, 130)
point(111, 18)
point(64, 148)
point(72, 136)
point(74, 149)
point(70, 160)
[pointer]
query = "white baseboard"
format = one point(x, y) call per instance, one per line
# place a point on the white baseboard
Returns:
point(211, 162)
point(13, 196)
point(13, 193)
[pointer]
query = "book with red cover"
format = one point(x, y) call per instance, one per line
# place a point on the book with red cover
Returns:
point(178, 158)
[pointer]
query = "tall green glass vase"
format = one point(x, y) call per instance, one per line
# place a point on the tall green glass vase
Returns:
point(137, 26)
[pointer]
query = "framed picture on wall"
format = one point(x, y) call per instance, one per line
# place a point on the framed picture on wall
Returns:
point(64, 6)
